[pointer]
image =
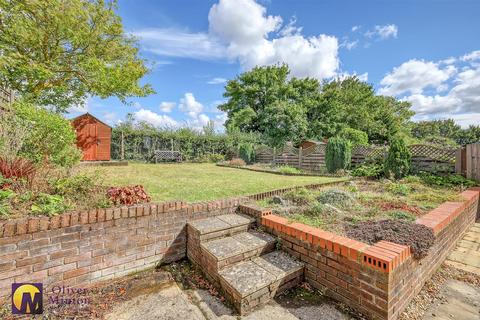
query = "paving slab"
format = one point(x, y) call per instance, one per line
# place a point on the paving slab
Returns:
point(246, 277)
point(466, 255)
point(278, 264)
point(234, 219)
point(462, 302)
point(209, 225)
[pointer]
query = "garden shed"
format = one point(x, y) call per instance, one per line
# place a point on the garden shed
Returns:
point(93, 137)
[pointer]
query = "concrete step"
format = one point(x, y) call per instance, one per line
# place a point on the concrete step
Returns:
point(223, 252)
point(252, 283)
point(218, 227)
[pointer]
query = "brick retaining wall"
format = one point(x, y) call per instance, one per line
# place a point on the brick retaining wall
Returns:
point(377, 280)
point(82, 248)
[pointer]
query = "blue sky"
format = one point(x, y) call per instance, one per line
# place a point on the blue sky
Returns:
point(426, 52)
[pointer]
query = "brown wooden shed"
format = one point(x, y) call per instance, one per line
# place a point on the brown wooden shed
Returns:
point(309, 143)
point(93, 137)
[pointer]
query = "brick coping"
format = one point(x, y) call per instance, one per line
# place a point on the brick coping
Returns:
point(384, 256)
point(32, 224)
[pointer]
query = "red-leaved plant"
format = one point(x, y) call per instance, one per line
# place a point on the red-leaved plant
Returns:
point(127, 195)
point(15, 170)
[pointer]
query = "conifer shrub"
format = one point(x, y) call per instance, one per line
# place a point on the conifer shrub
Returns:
point(397, 163)
point(338, 154)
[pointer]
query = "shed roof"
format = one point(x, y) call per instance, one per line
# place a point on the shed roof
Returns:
point(92, 116)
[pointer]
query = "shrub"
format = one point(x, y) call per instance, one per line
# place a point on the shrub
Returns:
point(452, 180)
point(50, 205)
point(5, 196)
point(337, 198)
point(419, 237)
point(77, 186)
point(402, 215)
point(15, 170)
point(210, 158)
point(246, 152)
point(399, 189)
point(128, 195)
point(300, 196)
point(237, 162)
point(356, 137)
point(338, 154)
point(51, 138)
point(289, 170)
point(397, 164)
point(368, 171)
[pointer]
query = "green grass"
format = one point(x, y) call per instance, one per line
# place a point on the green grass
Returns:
point(198, 182)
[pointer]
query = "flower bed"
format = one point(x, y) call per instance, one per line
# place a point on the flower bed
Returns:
point(338, 208)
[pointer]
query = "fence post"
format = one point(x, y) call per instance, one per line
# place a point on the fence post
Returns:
point(300, 155)
point(122, 155)
point(274, 154)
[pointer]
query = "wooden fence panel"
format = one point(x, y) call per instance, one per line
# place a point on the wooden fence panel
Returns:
point(473, 161)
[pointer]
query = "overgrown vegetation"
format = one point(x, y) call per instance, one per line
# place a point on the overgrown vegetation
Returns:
point(354, 202)
point(419, 237)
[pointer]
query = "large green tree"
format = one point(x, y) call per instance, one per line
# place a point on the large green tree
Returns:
point(58, 52)
point(353, 104)
point(267, 101)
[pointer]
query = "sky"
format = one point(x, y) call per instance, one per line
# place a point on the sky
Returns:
point(423, 51)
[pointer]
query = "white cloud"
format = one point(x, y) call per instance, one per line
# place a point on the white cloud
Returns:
point(177, 43)
point(474, 55)
point(383, 32)
point(356, 28)
point(241, 30)
point(414, 76)
point(167, 106)
point(110, 117)
point(155, 119)
point(349, 45)
point(244, 27)
point(137, 105)
point(457, 92)
point(190, 105)
point(217, 81)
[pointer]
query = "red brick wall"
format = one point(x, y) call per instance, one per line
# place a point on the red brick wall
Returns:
point(82, 248)
point(379, 280)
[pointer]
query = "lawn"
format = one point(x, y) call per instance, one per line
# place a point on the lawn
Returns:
point(198, 182)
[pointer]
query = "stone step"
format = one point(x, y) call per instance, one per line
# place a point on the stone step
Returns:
point(223, 252)
point(218, 227)
point(252, 283)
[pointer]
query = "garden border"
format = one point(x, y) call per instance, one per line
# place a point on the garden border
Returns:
point(377, 280)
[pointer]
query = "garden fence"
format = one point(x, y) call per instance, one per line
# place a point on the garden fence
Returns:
point(424, 157)
point(468, 161)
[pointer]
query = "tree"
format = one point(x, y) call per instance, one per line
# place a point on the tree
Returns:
point(397, 164)
point(352, 103)
point(58, 52)
point(356, 137)
point(266, 101)
point(338, 154)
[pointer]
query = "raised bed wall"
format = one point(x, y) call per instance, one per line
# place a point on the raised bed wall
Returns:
point(81, 248)
point(377, 280)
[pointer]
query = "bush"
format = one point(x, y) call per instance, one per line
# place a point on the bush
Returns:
point(397, 164)
point(289, 170)
point(50, 138)
point(399, 189)
point(128, 195)
point(5, 196)
point(237, 162)
point(419, 237)
point(368, 171)
point(77, 186)
point(337, 198)
point(402, 215)
point(50, 205)
point(338, 154)
point(356, 137)
point(452, 180)
point(15, 170)
point(300, 196)
point(210, 158)
point(246, 152)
